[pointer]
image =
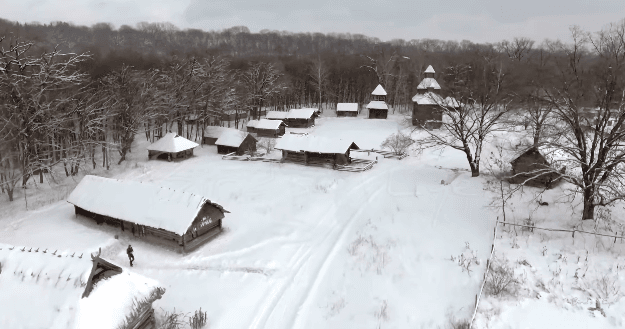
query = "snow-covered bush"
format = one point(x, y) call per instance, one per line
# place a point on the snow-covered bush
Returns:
point(398, 143)
point(466, 259)
point(173, 320)
point(501, 278)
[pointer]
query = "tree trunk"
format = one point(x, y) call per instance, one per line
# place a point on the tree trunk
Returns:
point(589, 206)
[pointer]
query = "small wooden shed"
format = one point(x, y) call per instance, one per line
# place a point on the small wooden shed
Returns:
point(180, 220)
point(236, 141)
point(532, 167)
point(314, 150)
point(48, 288)
point(212, 133)
point(171, 146)
point(251, 126)
point(269, 128)
point(377, 107)
point(347, 109)
point(301, 118)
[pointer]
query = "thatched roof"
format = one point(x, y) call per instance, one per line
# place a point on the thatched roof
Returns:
point(276, 115)
point(380, 105)
point(301, 113)
point(172, 143)
point(140, 203)
point(347, 107)
point(268, 124)
point(45, 289)
point(232, 138)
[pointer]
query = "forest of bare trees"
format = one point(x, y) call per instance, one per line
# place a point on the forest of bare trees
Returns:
point(69, 91)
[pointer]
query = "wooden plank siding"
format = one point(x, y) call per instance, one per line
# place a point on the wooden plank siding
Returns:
point(199, 232)
point(300, 123)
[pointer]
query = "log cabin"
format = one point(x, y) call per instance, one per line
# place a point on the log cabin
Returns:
point(45, 288)
point(179, 220)
point(269, 128)
point(171, 146)
point(212, 133)
point(276, 115)
point(531, 167)
point(378, 109)
point(251, 126)
point(301, 118)
point(313, 150)
point(347, 109)
point(236, 141)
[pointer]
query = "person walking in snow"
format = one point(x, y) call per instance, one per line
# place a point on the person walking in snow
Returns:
point(131, 257)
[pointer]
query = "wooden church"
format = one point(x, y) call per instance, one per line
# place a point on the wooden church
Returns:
point(426, 111)
point(377, 107)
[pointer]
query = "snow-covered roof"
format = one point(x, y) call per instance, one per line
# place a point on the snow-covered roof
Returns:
point(379, 91)
point(137, 202)
point(44, 290)
point(430, 98)
point(301, 113)
point(215, 131)
point(430, 69)
point(268, 124)
point(347, 107)
point(111, 300)
point(428, 83)
point(276, 115)
point(380, 105)
point(551, 154)
point(310, 143)
point(252, 123)
point(232, 138)
point(171, 142)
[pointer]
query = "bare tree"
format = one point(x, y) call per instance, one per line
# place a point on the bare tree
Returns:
point(398, 143)
point(590, 104)
point(476, 105)
point(260, 82)
point(518, 49)
point(319, 74)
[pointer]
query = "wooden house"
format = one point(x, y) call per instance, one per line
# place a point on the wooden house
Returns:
point(48, 288)
point(180, 220)
point(532, 167)
point(269, 128)
point(377, 107)
point(314, 150)
point(212, 134)
point(236, 141)
point(301, 118)
point(171, 146)
point(347, 109)
point(251, 126)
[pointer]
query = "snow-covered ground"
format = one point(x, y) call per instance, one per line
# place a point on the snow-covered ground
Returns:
point(307, 247)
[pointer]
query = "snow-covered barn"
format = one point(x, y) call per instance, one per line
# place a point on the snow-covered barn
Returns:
point(251, 126)
point(236, 141)
point(347, 109)
point(162, 215)
point(212, 133)
point(269, 128)
point(377, 107)
point(42, 288)
point(311, 150)
point(301, 118)
point(171, 146)
point(532, 167)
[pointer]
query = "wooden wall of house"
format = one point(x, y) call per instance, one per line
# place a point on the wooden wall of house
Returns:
point(248, 144)
point(300, 123)
point(209, 140)
point(424, 113)
point(528, 162)
point(270, 132)
point(223, 149)
point(346, 114)
point(378, 114)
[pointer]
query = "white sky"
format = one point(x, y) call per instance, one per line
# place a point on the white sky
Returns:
point(474, 20)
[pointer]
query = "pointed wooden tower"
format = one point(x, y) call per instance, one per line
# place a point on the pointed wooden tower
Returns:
point(377, 107)
point(426, 111)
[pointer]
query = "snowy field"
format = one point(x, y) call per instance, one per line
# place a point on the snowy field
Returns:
point(307, 247)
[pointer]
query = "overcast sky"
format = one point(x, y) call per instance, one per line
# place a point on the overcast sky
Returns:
point(475, 20)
